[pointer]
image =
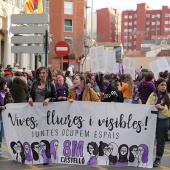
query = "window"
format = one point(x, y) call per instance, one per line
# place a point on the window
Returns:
point(147, 15)
point(125, 23)
point(130, 30)
point(69, 40)
point(135, 22)
point(134, 36)
point(125, 30)
point(157, 22)
point(157, 15)
point(135, 15)
point(166, 22)
point(147, 22)
point(153, 29)
point(68, 8)
point(48, 7)
point(130, 23)
point(130, 16)
point(153, 23)
point(147, 29)
point(125, 17)
point(153, 16)
point(158, 29)
point(68, 25)
point(134, 43)
point(166, 29)
point(130, 37)
point(125, 37)
point(166, 15)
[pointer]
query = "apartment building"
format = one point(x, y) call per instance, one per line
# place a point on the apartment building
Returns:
point(67, 23)
point(108, 25)
point(144, 24)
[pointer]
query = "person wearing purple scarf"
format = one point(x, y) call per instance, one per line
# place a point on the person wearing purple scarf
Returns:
point(82, 91)
point(62, 89)
point(5, 97)
point(161, 99)
point(94, 84)
point(111, 93)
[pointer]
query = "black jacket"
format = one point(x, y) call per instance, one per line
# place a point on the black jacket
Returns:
point(112, 94)
point(19, 89)
point(50, 91)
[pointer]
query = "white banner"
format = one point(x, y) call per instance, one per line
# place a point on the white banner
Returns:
point(86, 133)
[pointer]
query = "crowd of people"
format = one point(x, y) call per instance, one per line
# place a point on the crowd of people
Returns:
point(44, 85)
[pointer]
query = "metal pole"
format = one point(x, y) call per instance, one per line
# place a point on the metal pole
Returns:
point(156, 39)
point(91, 23)
point(46, 48)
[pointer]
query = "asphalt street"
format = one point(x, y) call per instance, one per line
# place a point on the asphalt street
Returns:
point(9, 164)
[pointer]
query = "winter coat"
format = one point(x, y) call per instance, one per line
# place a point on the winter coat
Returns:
point(19, 89)
point(50, 91)
point(112, 94)
point(145, 89)
point(88, 94)
point(163, 112)
point(8, 99)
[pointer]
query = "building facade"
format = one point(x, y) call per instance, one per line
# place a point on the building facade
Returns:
point(67, 23)
point(144, 24)
point(108, 25)
point(29, 61)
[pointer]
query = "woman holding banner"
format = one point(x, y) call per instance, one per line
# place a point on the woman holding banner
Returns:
point(82, 91)
point(160, 98)
point(42, 89)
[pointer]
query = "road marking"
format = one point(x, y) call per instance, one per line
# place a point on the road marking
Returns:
point(33, 167)
point(5, 148)
point(164, 168)
point(166, 155)
point(100, 167)
point(167, 150)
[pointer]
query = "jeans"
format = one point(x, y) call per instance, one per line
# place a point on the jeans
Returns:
point(161, 131)
point(126, 100)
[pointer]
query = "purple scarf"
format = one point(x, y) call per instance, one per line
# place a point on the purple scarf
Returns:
point(60, 89)
point(78, 93)
point(93, 85)
point(2, 97)
point(106, 85)
point(160, 95)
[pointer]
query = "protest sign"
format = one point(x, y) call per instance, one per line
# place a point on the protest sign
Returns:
point(158, 66)
point(129, 66)
point(85, 133)
point(102, 60)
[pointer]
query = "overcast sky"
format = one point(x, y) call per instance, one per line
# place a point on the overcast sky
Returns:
point(122, 5)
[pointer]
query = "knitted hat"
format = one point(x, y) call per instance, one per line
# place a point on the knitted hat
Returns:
point(107, 76)
point(59, 77)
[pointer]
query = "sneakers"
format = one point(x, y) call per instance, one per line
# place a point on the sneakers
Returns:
point(157, 162)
